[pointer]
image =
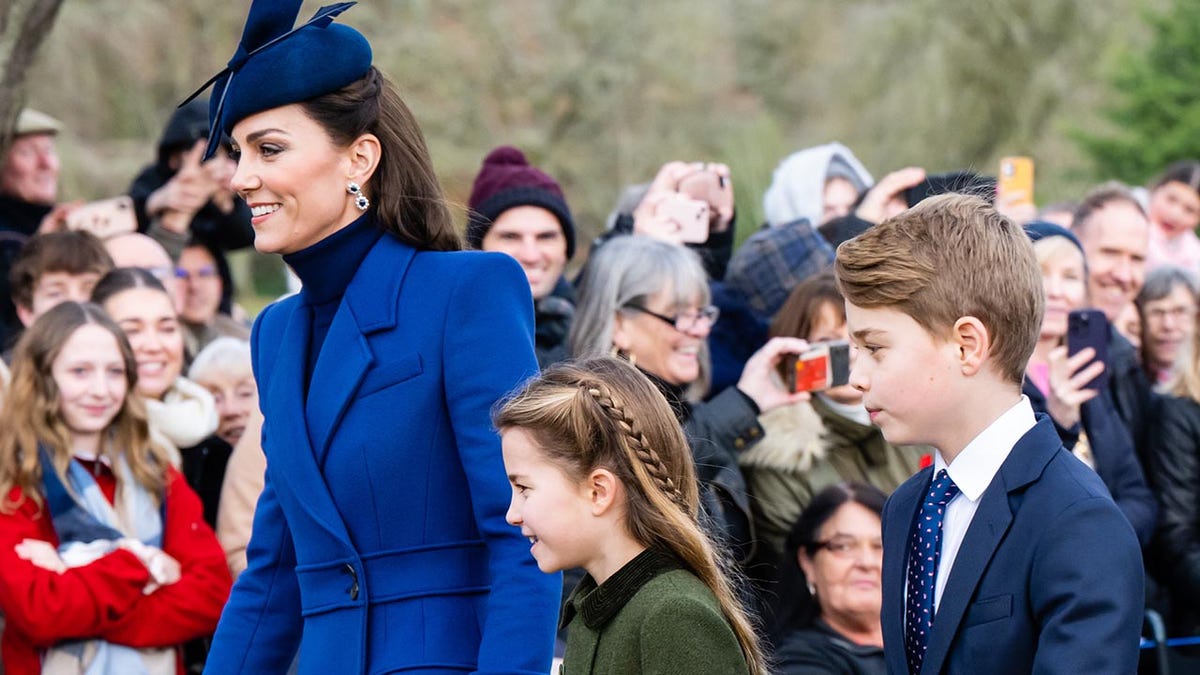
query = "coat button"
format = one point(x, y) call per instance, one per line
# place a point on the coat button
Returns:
point(353, 590)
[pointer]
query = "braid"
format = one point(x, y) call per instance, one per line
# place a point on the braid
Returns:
point(638, 442)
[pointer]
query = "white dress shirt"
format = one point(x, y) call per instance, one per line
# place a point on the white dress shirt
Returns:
point(972, 471)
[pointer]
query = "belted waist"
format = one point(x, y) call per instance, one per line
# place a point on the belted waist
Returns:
point(456, 568)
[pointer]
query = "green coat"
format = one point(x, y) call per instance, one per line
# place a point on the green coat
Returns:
point(806, 448)
point(651, 617)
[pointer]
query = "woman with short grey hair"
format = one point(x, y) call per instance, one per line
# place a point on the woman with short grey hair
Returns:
point(1167, 308)
point(648, 301)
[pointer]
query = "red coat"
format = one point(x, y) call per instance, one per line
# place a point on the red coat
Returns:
point(104, 598)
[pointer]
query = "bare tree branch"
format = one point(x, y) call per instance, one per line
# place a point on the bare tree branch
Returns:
point(24, 25)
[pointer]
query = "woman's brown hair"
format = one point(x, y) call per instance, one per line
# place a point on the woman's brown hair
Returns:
point(404, 191)
point(602, 412)
point(32, 416)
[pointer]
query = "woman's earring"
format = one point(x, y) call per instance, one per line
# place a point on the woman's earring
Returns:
point(360, 200)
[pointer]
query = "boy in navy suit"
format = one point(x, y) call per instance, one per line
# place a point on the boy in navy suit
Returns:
point(1007, 555)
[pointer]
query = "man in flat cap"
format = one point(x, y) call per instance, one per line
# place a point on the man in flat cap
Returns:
point(28, 190)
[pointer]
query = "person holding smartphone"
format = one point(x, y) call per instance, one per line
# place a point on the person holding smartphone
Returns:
point(1067, 387)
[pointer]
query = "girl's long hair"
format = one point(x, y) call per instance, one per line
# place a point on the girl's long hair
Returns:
point(602, 412)
point(32, 415)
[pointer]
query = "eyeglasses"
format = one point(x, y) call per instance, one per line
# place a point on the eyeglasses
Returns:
point(204, 272)
point(848, 547)
point(684, 322)
point(1178, 313)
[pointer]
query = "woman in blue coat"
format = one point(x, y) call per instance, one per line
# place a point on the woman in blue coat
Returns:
point(379, 541)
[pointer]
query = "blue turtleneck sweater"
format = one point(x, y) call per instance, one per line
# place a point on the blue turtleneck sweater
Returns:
point(326, 269)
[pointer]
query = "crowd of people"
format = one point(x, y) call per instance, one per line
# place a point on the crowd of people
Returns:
point(141, 475)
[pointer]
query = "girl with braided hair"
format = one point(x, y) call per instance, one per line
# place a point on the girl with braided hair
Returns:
point(602, 478)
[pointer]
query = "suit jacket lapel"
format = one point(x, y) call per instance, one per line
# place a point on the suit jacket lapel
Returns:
point(902, 510)
point(370, 305)
point(288, 436)
point(988, 528)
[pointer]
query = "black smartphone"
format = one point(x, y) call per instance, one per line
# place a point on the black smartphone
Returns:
point(1089, 328)
point(825, 365)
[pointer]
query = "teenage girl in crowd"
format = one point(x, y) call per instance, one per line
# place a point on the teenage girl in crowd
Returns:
point(183, 415)
point(106, 563)
point(602, 479)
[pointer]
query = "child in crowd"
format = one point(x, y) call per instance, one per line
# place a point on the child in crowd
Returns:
point(1007, 555)
point(602, 479)
point(106, 564)
point(55, 267)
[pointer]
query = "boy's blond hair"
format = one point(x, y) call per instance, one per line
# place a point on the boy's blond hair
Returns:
point(948, 257)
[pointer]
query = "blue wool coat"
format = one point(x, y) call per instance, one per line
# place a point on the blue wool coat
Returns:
point(379, 541)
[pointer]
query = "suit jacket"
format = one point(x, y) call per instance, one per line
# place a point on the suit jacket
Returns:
point(379, 541)
point(1113, 455)
point(1048, 579)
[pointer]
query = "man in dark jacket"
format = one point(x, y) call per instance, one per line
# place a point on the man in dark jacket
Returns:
point(28, 190)
point(1113, 229)
point(180, 200)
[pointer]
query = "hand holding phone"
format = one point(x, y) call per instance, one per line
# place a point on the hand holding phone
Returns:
point(105, 218)
point(1089, 328)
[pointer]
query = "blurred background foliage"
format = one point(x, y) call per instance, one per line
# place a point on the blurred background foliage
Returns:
point(599, 93)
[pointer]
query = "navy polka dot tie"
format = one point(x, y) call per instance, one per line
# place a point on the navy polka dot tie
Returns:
point(923, 557)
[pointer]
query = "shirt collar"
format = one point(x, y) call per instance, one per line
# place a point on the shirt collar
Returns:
point(974, 468)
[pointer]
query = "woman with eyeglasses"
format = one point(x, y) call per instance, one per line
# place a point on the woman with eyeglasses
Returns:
point(830, 595)
point(203, 275)
point(648, 301)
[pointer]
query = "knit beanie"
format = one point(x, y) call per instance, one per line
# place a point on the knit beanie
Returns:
point(506, 180)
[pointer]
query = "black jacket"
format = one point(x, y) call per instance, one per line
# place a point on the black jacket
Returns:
point(1174, 469)
point(820, 650)
point(1132, 394)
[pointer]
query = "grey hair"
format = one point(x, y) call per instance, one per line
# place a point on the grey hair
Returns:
point(630, 270)
point(1160, 281)
point(224, 355)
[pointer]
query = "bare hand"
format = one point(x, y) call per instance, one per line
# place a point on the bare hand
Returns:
point(711, 183)
point(56, 220)
point(188, 190)
point(885, 199)
point(42, 554)
point(164, 570)
point(760, 380)
point(1066, 392)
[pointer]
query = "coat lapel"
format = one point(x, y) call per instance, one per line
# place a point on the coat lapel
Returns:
point(902, 510)
point(987, 530)
point(288, 433)
point(370, 305)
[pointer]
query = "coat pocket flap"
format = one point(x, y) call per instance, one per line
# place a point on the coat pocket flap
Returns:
point(393, 370)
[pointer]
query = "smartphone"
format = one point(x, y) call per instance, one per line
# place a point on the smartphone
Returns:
point(824, 366)
point(1089, 328)
point(690, 215)
point(105, 218)
point(1015, 182)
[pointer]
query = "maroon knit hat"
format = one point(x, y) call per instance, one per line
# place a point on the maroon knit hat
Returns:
point(506, 180)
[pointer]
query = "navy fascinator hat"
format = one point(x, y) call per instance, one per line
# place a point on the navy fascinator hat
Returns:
point(276, 64)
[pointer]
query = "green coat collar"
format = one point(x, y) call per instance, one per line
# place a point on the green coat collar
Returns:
point(597, 605)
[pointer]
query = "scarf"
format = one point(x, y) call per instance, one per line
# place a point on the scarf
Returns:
point(89, 528)
point(186, 415)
